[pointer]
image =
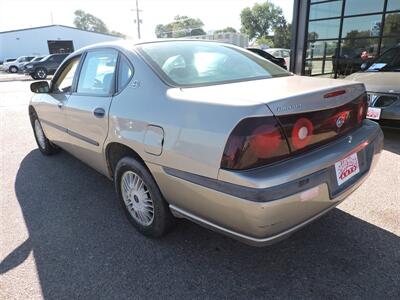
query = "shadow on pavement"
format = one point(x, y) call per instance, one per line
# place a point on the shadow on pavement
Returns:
point(84, 247)
point(392, 140)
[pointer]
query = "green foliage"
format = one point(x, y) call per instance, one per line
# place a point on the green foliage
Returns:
point(89, 22)
point(226, 30)
point(266, 21)
point(181, 26)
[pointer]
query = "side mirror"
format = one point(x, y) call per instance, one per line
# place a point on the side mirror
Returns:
point(40, 87)
point(365, 66)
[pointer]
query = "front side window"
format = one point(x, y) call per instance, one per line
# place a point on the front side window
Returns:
point(97, 74)
point(187, 63)
point(63, 83)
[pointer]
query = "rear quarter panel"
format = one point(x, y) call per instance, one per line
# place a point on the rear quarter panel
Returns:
point(195, 131)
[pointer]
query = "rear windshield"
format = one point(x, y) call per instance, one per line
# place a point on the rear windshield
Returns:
point(187, 63)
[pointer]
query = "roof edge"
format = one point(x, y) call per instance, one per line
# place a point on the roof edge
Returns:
point(59, 25)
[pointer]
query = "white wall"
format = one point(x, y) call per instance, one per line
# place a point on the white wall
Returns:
point(34, 41)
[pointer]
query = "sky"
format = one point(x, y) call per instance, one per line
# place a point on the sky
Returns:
point(118, 14)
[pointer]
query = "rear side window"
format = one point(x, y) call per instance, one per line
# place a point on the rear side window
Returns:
point(125, 73)
point(97, 74)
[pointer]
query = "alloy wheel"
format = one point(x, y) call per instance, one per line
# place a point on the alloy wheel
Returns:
point(137, 198)
point(41, 74)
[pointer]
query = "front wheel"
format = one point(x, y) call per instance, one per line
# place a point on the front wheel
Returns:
point(44, 145)
point(141, 198)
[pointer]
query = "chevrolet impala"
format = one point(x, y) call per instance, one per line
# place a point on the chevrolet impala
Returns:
point(209, 132)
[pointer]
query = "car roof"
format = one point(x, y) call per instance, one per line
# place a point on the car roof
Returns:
point(129, 44)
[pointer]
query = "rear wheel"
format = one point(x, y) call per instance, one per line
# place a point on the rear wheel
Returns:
point(41, 73)
point(44, 145)
point(141, 198)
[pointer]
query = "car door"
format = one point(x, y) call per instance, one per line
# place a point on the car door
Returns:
point(88, 106)
point(51, 108)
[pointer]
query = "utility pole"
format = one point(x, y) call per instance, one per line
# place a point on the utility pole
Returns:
point(137, 20)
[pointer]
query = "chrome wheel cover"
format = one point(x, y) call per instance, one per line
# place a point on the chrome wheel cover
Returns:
point(41, 74)
point(40, 134)
point(137, 198)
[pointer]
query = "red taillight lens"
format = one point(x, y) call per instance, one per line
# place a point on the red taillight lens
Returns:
point(362, 109)
point(260, 141)
point(254, 142)
point(311, 129)
point(302, 133)
point(265, 141)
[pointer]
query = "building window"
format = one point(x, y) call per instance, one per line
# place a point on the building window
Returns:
point(358, 7)
point(326, 10)
point(366, 26)
point(392, 24)
point(393, 5)
point(322, 30)
point(367, 30)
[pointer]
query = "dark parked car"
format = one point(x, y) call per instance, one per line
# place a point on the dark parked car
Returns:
point(350, 60)
point(382, 81)
point(47, 66)
point(276, 60)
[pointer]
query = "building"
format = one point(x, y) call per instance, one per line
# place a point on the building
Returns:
point(333, 38)
point(237, 39)
point(47, 40)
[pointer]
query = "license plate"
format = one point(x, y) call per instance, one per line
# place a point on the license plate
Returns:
point(347, 168)
point(374, 113)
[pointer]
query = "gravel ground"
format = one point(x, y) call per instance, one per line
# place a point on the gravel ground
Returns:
point(63, 236)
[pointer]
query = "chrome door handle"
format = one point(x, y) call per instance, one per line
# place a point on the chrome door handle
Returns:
point(99, 112)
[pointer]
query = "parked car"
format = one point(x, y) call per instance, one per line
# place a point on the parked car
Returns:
point(278, 61)
point(279, 52)
point(382, 80)
point(208, 132)
point(15, 65)
point(47, 66)
point(6, 61)
point(35, 59)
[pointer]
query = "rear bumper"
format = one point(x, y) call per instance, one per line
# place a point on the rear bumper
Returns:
point(265, 205)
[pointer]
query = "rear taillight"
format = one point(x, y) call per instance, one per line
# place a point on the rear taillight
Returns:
point(254, 142)
point(260, 141)
point(311, 129)
point(362, 109)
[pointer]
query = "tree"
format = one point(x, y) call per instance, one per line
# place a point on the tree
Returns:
point(181, 26)
point(226, 30)
point(265, 23)
point(282, 35)
point(117, 33)
point(89, 22)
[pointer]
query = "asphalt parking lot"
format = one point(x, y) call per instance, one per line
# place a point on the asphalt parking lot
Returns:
point(63, 236)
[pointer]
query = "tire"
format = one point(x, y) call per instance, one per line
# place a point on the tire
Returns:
point(41, 73)
point(13, 69)
point(34, 76)
point(43, 143)
point(145, 206)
